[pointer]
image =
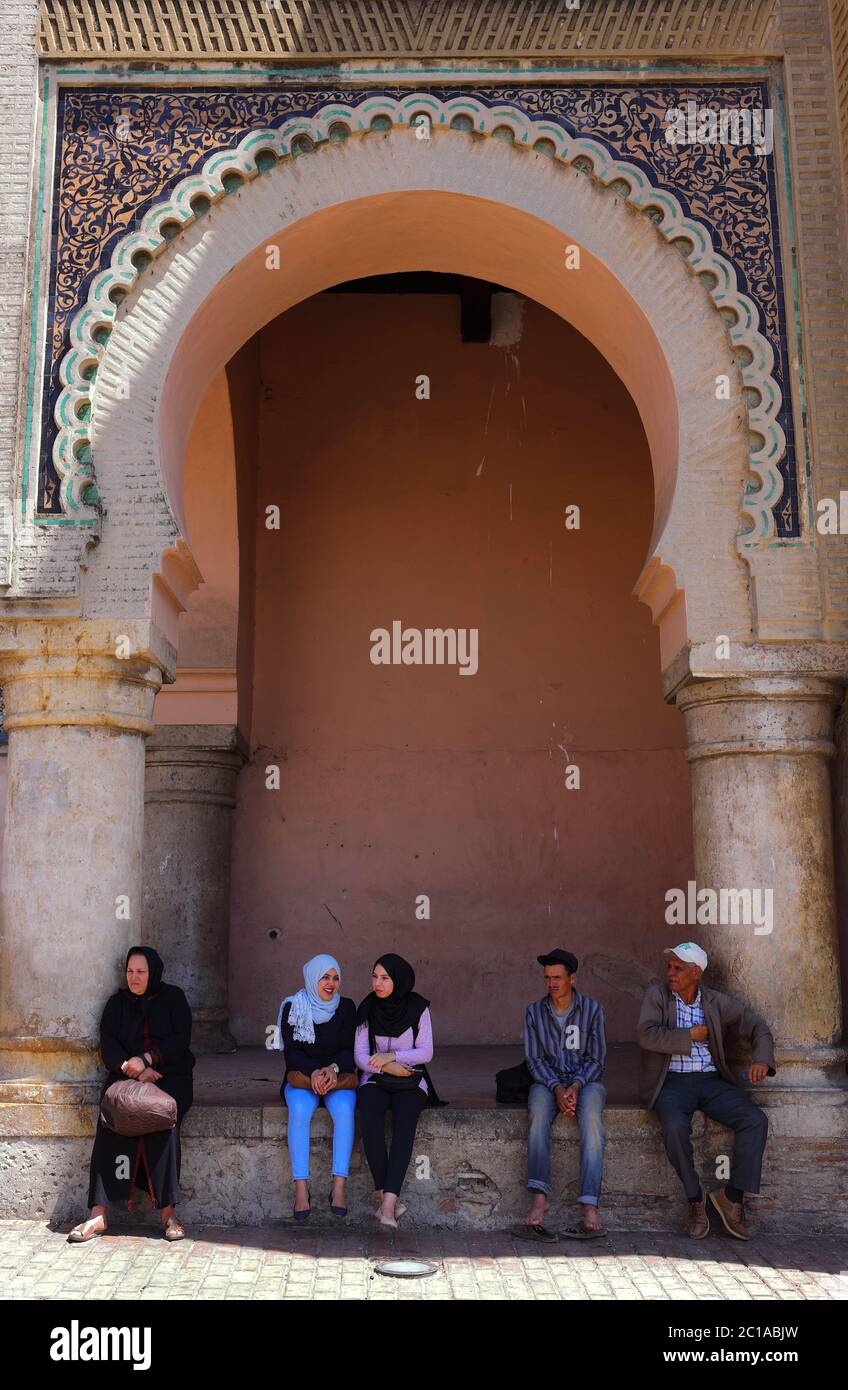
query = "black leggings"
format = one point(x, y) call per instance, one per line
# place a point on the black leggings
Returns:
point(389, 1169)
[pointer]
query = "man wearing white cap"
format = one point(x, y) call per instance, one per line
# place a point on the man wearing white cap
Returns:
point(683, 1034)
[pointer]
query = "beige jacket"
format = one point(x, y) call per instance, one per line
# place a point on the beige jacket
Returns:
point(660, 1037)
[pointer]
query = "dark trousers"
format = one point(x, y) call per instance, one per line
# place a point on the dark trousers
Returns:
point(685, 1092)
point(388, 1168)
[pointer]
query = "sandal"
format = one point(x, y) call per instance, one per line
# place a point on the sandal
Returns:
point(537, 1232)
point(582, 1232)
point(400, 1208)
point(173, 1230)
point(79, 1235)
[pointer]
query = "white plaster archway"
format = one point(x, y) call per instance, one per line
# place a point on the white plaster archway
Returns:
point(390, 202)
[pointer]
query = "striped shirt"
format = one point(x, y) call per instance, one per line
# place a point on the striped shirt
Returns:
point(562, 1051)
point(691, 1016)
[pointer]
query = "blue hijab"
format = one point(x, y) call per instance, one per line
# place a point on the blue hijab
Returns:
point(307, 1006)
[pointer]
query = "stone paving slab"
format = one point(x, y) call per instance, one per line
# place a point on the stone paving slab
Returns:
point(287, 1262)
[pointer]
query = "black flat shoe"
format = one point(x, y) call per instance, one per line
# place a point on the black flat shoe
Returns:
point(337, 1211)
point(303, 1215)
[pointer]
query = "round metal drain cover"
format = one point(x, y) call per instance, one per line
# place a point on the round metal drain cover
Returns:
point(406, 1268)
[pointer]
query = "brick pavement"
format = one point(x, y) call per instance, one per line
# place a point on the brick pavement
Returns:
point(283, 1261)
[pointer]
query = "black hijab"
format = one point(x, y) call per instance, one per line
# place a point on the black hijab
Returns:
point(155, 968)
point(403, 1008)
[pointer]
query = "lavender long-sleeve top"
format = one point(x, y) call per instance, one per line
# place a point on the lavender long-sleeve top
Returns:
point(405, 1049)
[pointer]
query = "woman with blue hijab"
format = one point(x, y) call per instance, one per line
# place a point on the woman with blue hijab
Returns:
point(315, 1029)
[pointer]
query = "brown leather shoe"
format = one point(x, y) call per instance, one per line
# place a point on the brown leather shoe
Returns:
point(697, 1221)
point(731, 1214)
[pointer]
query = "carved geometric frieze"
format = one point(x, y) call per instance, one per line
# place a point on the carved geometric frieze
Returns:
point(342, 29)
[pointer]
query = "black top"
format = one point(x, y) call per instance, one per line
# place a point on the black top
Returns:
point(333, 1041)
point(168, 1019)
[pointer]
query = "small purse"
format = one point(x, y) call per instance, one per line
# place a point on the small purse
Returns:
point(398, 1083)
point(131, 1108)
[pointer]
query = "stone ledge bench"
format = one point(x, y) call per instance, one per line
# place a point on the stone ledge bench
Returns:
point(468, 1168)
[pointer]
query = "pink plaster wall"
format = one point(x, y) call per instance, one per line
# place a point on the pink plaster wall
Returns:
point(205, 689)
point(400, 781)
point(423, 230)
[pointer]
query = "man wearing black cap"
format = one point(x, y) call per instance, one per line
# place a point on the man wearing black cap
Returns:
point(565, 1045)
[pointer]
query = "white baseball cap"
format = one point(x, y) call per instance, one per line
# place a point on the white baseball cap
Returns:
point(688, 951)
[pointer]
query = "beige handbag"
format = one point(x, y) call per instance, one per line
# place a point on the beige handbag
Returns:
point(346, 1081)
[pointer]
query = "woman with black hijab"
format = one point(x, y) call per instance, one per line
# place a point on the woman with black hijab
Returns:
point(145, 1034)
point(393, 1044)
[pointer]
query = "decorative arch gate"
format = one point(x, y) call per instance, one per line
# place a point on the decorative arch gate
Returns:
point(497, 183)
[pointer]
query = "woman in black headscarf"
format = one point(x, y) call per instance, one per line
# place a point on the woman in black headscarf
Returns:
point(145, 1034)
point(392, 1046)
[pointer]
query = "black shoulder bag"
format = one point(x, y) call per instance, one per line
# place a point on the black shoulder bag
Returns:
point(405, 1083)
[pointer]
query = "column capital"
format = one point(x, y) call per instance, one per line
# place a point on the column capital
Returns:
point(759, 714)
point(197, 739)
point(90, 673)
point(194, 762)
point(748, 660)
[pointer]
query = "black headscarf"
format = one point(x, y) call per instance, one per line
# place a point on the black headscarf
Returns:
point(156, 970)
point(403, 1008)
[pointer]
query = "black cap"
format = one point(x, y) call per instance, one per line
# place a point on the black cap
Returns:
point(559, 957)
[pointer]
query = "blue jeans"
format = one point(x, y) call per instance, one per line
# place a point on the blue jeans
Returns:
point(302, 1106)
point(543, 1110)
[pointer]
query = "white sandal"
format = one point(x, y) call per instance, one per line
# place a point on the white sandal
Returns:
point(79, 1235)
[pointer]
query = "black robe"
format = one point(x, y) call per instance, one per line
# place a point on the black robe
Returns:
point(130, 1026)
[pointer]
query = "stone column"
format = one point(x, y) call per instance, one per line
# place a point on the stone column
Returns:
point(190, 795)
point(79, 702)
point(759, 750)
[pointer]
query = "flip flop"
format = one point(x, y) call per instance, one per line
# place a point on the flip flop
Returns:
point(537, 1232)
point(582, 1233)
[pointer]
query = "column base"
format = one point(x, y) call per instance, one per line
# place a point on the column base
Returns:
point(810, 1068)
point(46, 1061)
point(35, 1110)
point(210, 1033)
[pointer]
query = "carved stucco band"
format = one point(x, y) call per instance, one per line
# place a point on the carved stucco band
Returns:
point(260, 150)
point(372, 29)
